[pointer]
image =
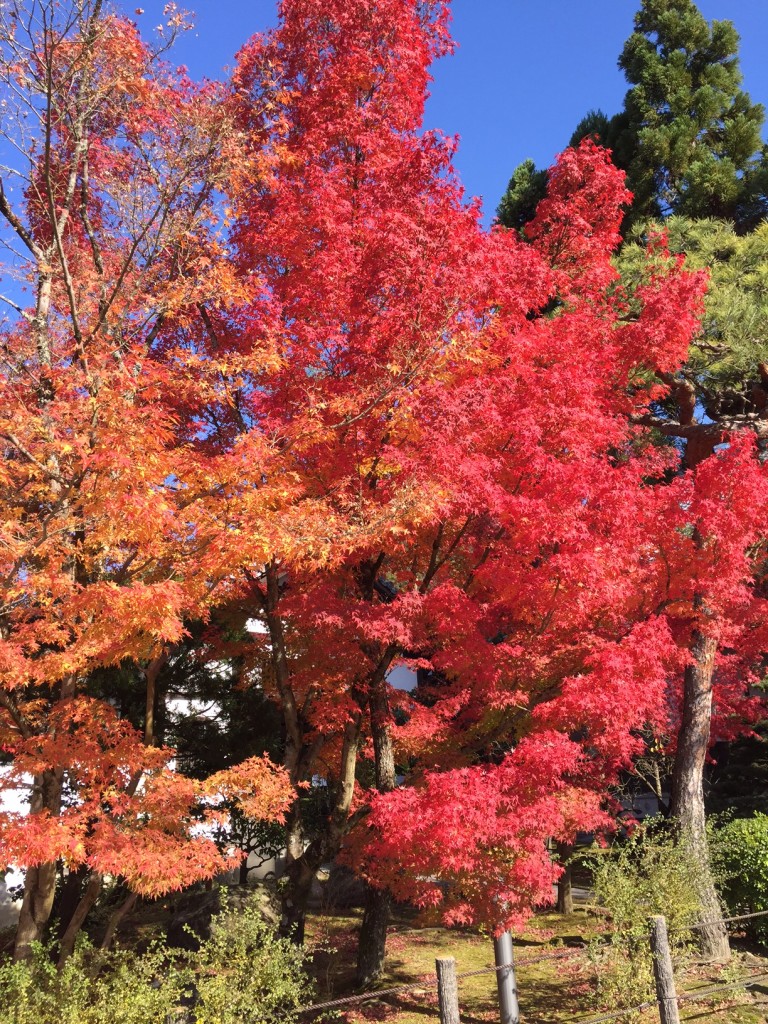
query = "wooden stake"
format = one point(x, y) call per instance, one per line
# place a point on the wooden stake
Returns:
point(663, 973)
point(447, 990)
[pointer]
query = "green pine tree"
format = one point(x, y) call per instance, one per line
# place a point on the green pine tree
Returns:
point(688, 137)
point(727, 361)
point(690, 140)
point(526, 188)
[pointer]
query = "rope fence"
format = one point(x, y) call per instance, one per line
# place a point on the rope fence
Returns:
point(720, 920)
point(691, 996)
point(333, 1004)
point(429, 982)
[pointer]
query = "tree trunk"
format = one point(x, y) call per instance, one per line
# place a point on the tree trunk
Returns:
point(300, 875)
point(116, 917)
point(372, 943)
point(565, 881)
point(303, 859)
point(65, 907)
point(89, 897)
point(39, 889)
point(687, 805)
point(40, 881)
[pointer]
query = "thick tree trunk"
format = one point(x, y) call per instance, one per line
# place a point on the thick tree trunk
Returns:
point(295, 901)
point(687, 805)
point(565, 881)
point(372, 943)
point(39, 889)
point(40, 881)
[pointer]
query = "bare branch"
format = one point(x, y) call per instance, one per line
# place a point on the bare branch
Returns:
point(18, 227)
point(22, 312)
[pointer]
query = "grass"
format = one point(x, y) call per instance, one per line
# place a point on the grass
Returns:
point(550, 992)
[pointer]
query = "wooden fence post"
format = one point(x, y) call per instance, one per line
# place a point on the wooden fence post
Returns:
point(447, 990)
point(663, 973)
point(503, 955)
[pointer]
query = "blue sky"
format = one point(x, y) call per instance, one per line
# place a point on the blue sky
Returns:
point(525, 73)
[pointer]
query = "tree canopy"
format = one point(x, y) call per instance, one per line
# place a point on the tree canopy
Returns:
point(274, 371)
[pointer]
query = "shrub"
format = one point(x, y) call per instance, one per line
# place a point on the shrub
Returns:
point(741, 854)
point(246, 975)
point(90, 987)
point(643, 875)
point(243, 973)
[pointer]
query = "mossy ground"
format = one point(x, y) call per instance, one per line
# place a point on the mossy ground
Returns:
point(550, 992)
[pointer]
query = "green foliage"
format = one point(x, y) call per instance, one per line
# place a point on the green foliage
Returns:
point(246, 975)
point(644, 875)
point(734, 335)
point(526, 189)
point(688, 137)
point(242, 974)
point(90, 987)
point(692, 137)
point(740, 850)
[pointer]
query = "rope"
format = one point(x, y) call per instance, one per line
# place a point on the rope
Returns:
point(730, 920)
point(430, 981)
point(560, 954)
point(714, 989)
point(683, 997)
point(717, 920)
point(619, 1013)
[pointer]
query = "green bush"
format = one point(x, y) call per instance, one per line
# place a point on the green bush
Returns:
point(641, 876)
point(246, 975)
point(243, 973)
point(740, 849)
point(90, 987)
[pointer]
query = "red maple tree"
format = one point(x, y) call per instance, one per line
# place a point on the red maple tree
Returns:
point(352, 413)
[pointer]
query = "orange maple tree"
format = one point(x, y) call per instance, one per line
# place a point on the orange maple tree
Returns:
point(110, 222)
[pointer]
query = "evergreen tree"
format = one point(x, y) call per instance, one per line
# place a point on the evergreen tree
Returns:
point(526, 188)
point(694, 132)
point(727, 362)
point(688, 136)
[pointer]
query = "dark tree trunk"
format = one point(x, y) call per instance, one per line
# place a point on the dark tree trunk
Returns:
point(40, 881)
point(89, 897)
point(687, 804)
point(372, 943)
point(300, 875)
point(302, 858)
point(244, 870)
point(66, 905)
point(116, 917)
point(565, 881)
